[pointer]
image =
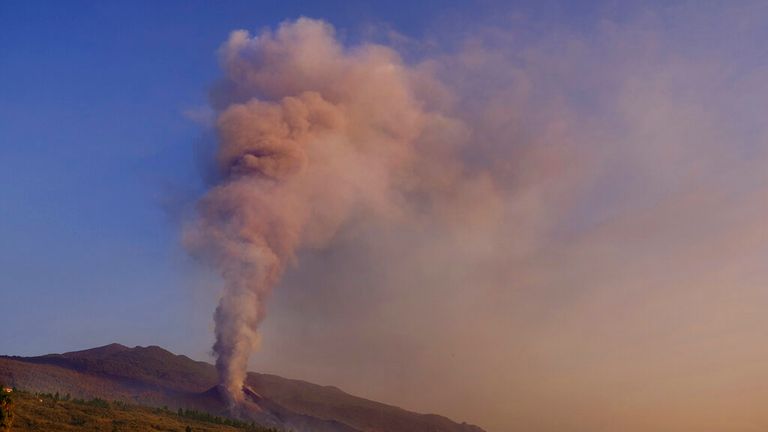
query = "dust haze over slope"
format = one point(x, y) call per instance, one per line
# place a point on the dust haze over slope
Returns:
point(603, 263)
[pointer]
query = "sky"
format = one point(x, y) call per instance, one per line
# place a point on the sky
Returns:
point(586, 250)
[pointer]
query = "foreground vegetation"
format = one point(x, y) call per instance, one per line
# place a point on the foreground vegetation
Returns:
point(52, 412)
point(6, 410)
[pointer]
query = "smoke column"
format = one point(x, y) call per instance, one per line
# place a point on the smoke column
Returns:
point(311, 135)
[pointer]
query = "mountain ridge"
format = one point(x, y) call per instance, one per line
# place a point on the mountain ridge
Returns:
point(158, 377)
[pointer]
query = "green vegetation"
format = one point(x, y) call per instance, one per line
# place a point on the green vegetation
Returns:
point(209, 418)
point(51, 412)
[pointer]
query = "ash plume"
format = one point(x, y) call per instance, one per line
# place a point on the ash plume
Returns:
point(311, 136)
point(581, 214)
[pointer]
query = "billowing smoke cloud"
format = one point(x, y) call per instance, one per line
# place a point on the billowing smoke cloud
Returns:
point(549, 228)
point(311, 136)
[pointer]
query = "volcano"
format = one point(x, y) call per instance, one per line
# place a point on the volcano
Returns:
point(156, 377)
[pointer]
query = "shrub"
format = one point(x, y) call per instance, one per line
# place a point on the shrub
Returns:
point(6, 412)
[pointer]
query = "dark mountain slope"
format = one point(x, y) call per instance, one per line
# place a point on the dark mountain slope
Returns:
point(154, 376)
point(150, 365)
point(331, 403)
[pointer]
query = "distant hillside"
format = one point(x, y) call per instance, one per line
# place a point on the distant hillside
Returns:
point(156, 377)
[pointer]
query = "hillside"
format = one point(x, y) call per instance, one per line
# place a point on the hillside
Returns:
point(48, 413)
point(153, 376)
